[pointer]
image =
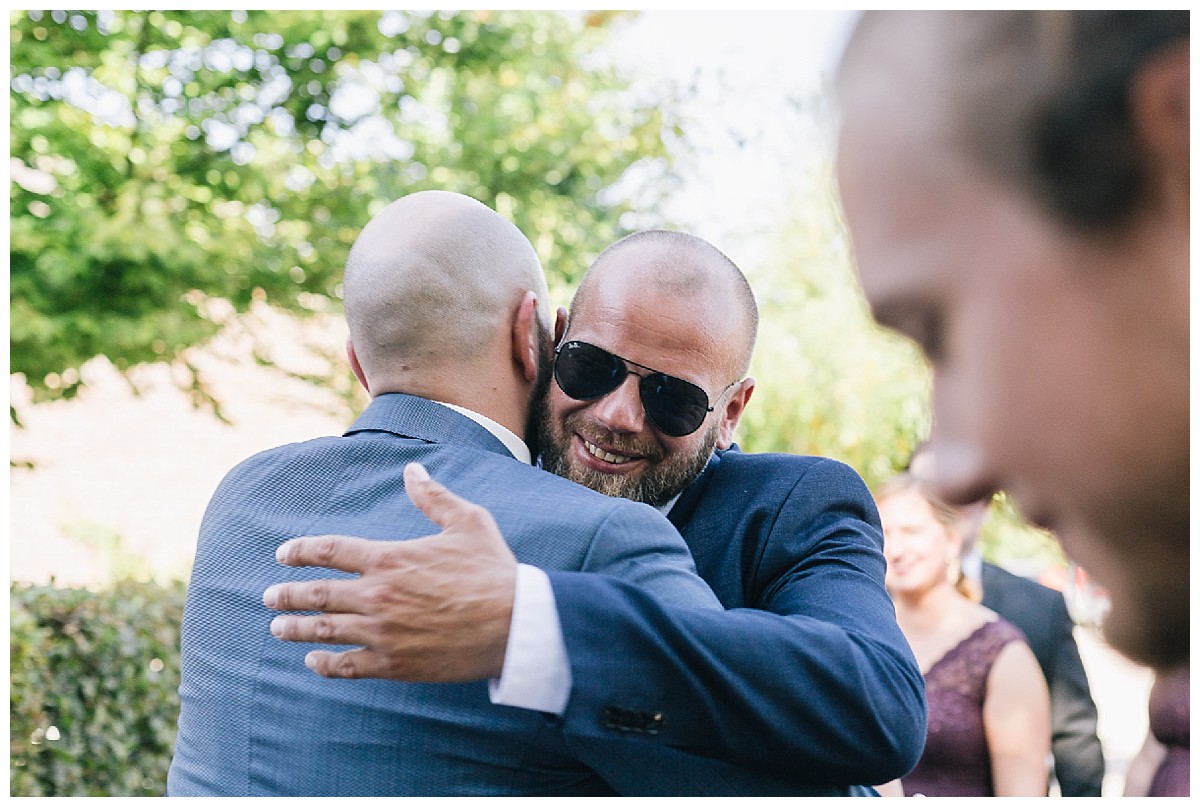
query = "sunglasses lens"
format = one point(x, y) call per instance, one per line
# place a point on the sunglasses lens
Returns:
point(585, 372)
point(677, 407)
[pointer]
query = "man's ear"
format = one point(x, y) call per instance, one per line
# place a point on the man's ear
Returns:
point(732, 412)
point(525, 337)
point(355, 366)
point(1160, 105)
point(561, 320)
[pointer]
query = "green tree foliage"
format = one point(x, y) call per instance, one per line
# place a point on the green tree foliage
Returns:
point(93, 687)
point(162, 159)
point(830, 382)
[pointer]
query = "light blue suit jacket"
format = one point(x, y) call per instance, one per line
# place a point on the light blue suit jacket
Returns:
point(255, 721)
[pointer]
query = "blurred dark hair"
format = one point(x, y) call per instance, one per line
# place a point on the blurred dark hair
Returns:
point(1071, 138)
point(1042, 99)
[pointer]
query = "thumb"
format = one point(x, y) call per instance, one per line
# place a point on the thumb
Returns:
point(439, 505)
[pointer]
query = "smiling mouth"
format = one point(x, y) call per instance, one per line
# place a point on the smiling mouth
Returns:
point(601, 454)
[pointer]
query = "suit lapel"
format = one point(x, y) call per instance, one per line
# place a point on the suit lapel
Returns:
point(700, 517)
point(706, 516)
point(422, 419)
point(681, 514)
point(993, 587)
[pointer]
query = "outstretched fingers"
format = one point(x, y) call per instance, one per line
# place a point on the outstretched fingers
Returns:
point(448, 510)
point(341, 629)
point(334, 596)
point(331, 551)
point(359, 663)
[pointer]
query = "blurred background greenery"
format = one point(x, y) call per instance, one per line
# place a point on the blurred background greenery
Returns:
point(179, 176)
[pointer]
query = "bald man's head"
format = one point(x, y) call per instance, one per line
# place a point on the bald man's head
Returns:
point(682, 320)
point(431, 281)
point(689, 272)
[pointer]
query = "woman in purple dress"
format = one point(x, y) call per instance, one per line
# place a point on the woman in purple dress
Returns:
point(989, 709)
point(1162, 767)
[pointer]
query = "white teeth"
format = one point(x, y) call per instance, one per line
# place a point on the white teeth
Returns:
point(616, 459)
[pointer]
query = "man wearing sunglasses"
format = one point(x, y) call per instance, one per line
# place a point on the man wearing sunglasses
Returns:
point(807, 675)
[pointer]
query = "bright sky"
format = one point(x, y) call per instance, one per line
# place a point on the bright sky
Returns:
point(756, 116)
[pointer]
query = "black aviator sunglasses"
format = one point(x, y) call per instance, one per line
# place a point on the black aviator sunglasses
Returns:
point(585, 372)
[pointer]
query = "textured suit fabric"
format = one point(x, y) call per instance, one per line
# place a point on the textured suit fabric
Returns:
point(1041, 614)
point(809, 677)
point(255, 721)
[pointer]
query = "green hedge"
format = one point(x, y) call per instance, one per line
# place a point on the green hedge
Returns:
point(94, 689)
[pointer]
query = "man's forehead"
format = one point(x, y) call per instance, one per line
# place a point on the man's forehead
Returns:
point(646, 279)
point(635, 263)
point(656, 328)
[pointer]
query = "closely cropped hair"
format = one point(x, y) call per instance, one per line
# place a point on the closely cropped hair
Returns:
point(1047, 102)
point(684, 278)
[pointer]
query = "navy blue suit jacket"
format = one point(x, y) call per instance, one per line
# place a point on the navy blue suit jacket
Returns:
point(1041, 614)
point(255, 721)
point(809, 676)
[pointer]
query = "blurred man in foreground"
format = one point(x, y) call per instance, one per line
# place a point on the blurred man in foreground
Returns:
point(1016, 185)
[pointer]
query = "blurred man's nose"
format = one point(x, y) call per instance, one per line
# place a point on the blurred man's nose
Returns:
point(621, 410)
point(958, 473)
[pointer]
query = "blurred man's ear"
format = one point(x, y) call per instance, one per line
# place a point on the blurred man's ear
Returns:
point(731, 414)
point(1160, 104)
point(355, 367)
point(954, 542)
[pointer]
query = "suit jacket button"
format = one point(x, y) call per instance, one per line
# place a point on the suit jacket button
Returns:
point(631, 720)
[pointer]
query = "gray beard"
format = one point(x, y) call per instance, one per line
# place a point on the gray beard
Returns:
point(657, 486)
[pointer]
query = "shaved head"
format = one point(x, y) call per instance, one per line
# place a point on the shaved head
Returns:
point(690, 272)
point(431, 281)
point(669, 303)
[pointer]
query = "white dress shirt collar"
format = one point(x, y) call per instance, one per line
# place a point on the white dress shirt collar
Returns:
point(665, 507)
point(515, 445)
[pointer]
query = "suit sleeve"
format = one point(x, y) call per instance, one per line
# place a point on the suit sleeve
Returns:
point(638, 545)
point(819, 688)
point(1078, 757)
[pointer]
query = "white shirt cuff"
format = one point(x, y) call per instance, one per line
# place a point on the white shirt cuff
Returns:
point(536, 673)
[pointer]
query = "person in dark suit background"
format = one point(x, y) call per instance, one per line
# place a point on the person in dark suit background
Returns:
point(809, 675)
point(1041, 614)
point(444, 299)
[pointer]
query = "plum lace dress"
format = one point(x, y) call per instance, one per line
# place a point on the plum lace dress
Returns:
point(1170, 721)
point(956, 760)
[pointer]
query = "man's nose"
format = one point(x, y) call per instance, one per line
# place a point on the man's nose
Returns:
point(621, 410)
